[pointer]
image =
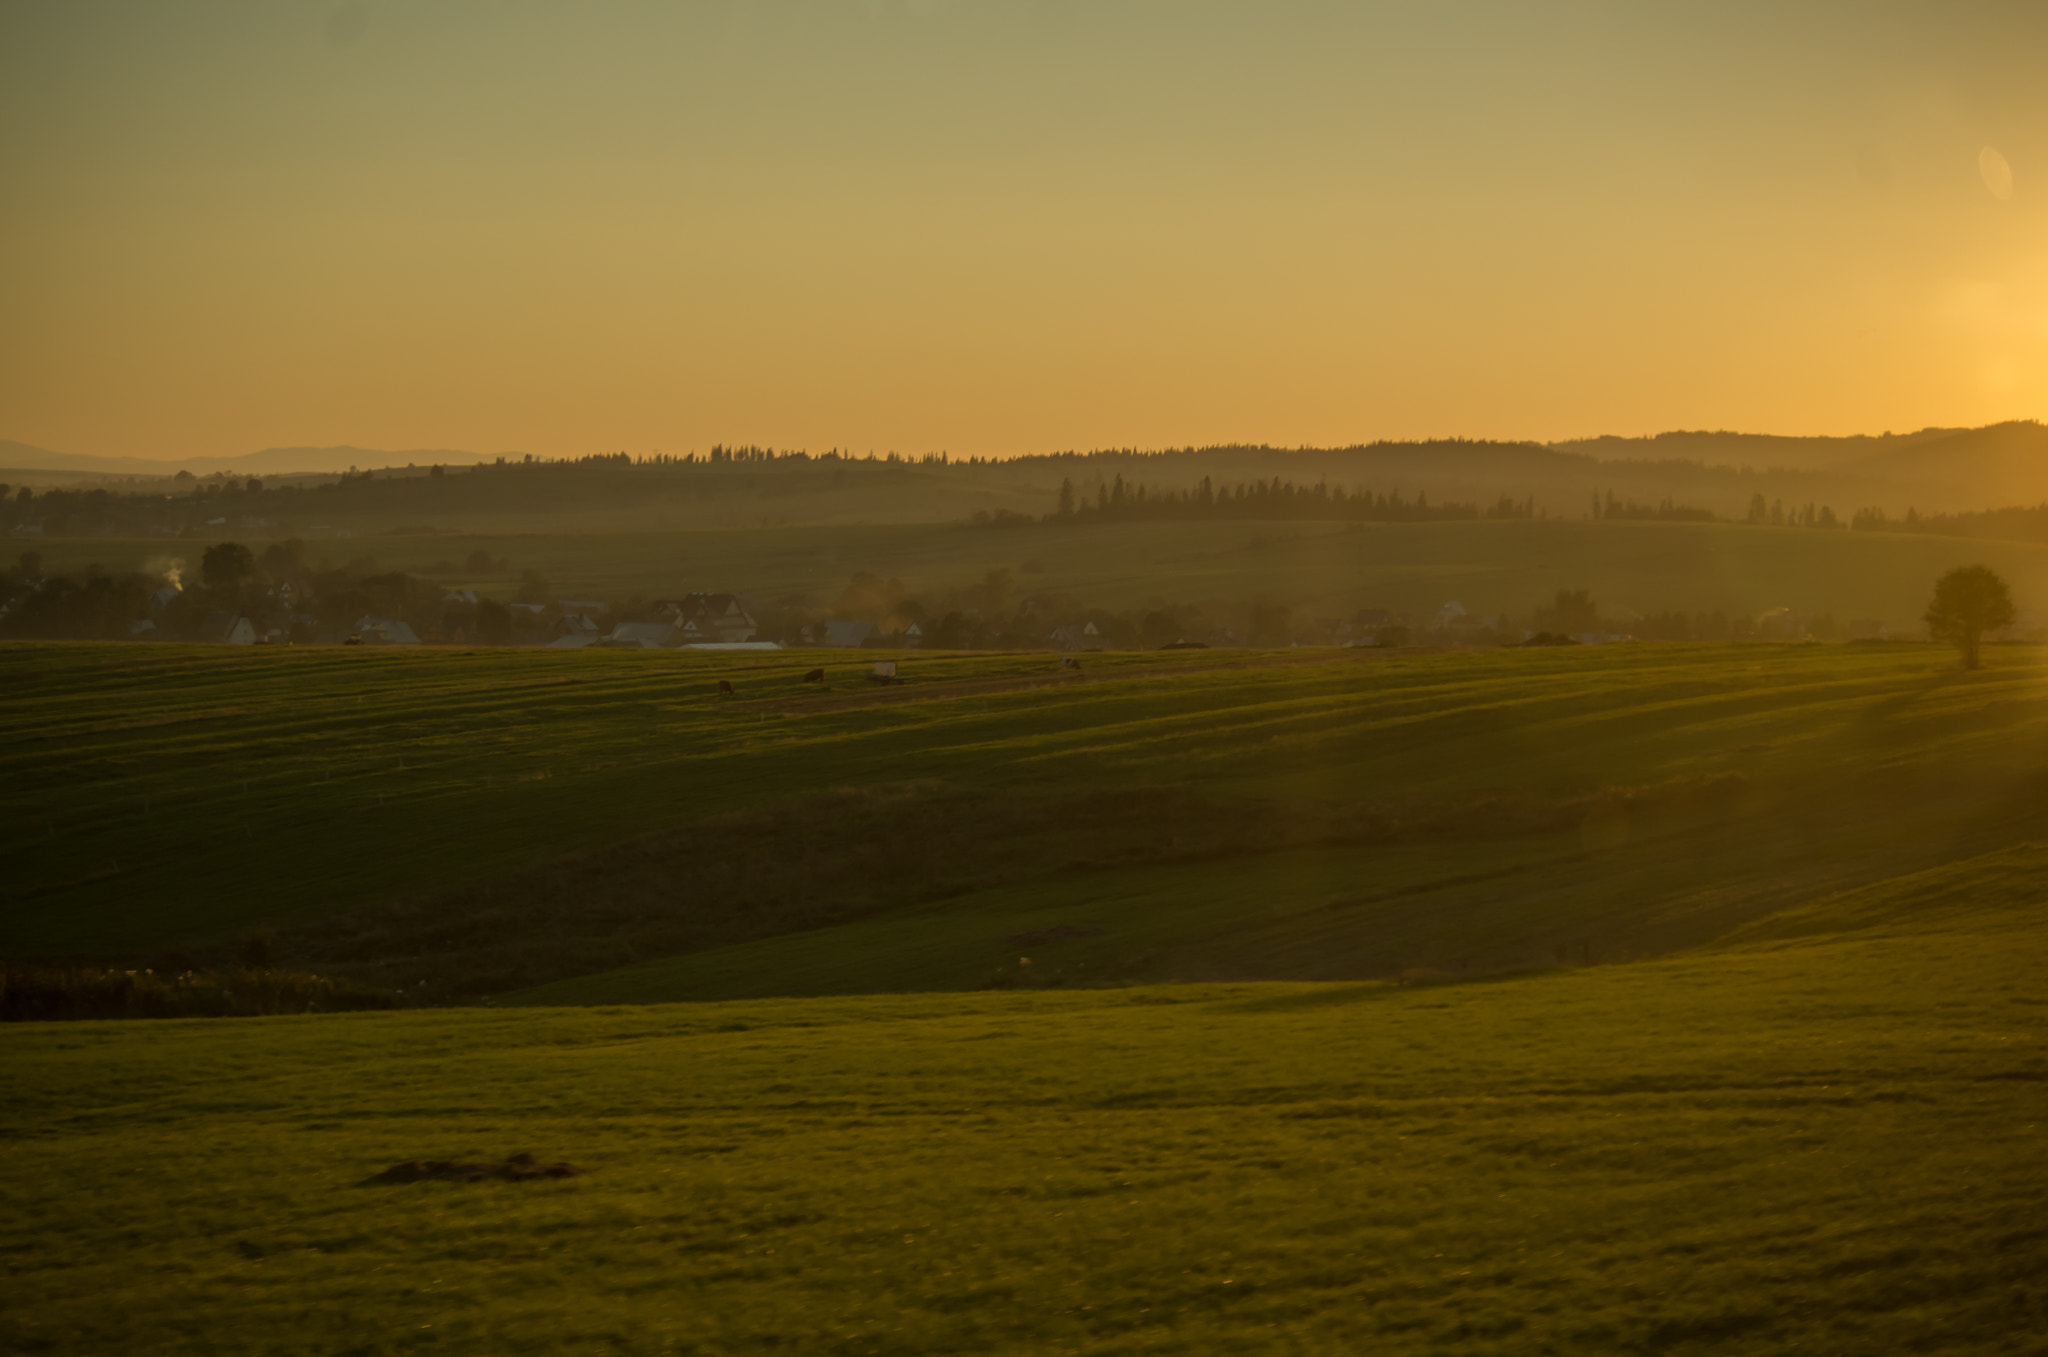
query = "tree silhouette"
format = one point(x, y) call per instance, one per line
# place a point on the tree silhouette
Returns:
point(1968, 601)
point(226, 564)
point(493, 622)
point(1574, 611)
point(533, 587)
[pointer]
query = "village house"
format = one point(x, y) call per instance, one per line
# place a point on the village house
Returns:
point(227, 629)
point(384, 631)
point(572, 626)
point(697, 631)
point(842, 634)
point(1782, 624)
point(710, 617)
point(639, 636)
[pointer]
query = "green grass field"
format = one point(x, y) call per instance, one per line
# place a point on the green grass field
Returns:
point(1316, 567)
point(173, 797)
point(1832, 1143)
point(1633, 999)
point(1309, 814)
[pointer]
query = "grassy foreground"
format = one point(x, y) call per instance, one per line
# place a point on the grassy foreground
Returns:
point(1826, 1141)
point(1815, 1124)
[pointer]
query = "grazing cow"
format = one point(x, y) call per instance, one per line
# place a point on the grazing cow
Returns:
point(725, 687)
point(815, 676)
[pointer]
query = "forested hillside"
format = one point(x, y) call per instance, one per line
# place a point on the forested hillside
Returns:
point(755, 487)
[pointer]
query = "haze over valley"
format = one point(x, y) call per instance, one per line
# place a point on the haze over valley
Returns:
point(1005, 676)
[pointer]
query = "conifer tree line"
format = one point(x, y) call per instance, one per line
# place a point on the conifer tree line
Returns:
point(1129, 501)
point(1102, 485)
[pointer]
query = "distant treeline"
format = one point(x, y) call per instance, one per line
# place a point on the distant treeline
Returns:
point(618, 484)
point(1120, 501)
point(2016, 524)
point(1663, 511)
point(605, 483)
point(742, 484)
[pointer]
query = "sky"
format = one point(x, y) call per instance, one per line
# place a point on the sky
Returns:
point(991, 227)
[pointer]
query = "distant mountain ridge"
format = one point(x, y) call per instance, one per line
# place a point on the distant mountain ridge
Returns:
point(1999, 463)
point(1996, 466)
point(268, 462)
point(1757, 450)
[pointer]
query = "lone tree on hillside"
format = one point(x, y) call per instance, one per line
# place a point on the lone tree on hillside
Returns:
point(1968, 601)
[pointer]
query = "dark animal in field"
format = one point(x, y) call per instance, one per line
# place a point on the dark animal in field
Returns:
point(815, 676)
point(1069, 662)
point(725, 687)
point(520, 1168)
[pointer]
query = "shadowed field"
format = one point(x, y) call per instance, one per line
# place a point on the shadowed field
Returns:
point(1448, 1119)
point(1833, 1143)
point(459, 824)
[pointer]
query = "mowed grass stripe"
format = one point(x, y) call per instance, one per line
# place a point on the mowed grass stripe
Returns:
point(454, 763)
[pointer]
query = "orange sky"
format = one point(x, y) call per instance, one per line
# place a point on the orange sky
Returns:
point(1007, 227)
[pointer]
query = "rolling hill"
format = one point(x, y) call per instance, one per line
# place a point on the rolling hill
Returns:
point(1826, 1138)
point(609, 824)
point(1405, 1093)
point(1934, 470)
point(1998, 464)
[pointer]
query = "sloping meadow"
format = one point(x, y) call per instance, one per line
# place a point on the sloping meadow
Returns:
point(1812, 1122)
point(1832, 1144)
point(455, 825)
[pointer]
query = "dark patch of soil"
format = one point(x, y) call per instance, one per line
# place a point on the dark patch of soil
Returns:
point(520, 1168)
point(1054, 934)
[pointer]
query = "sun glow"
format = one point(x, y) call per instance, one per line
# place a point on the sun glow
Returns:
point(992, 228)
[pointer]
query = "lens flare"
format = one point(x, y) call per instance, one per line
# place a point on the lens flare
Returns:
point(1997, 174)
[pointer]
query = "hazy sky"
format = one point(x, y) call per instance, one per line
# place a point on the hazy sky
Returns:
point(1011, 225)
